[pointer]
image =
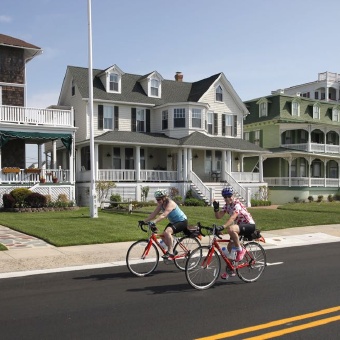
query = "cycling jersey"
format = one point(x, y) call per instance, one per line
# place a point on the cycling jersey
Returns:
point(177, 215)
point(243, 216)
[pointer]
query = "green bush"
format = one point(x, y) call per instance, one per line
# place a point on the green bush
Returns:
point(189, 194)
point(194, 202)
point(320, 198)
point(178, 199)
point(310, 199)
point(115, 198)
point(330, 198)
point(259, 203)
point(20, 194)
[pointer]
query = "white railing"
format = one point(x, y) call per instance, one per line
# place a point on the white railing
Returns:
point(130, 175)
point(205, 191)
point(301, 182)
point(158, 175)
point(22, 177)
point(33, 116)
point(246, 177)
point(314, 147)
point(237, 187)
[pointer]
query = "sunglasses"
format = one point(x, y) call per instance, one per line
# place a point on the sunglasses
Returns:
point(158, 199)
point(227, 196)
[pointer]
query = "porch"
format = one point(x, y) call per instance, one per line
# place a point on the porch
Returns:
point(302, 182)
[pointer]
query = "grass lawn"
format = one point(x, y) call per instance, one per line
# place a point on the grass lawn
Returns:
point(76, 227)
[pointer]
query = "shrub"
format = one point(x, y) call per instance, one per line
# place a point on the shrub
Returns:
point(19, 195)
point(189, 194)
point(330, 198)
point(63, 198)
point(259, 203)
point(310, 199)
point(296, 199)
point(194, 202)
point(115, 198)
point(48, 199)
point(178, 199)
point(36, 200)
point(337, 196)
point(320, 198)
point(173, 192)
point(8, 201)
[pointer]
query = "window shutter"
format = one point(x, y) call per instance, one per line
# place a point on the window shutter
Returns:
point(100, 117)
point(215, 124)
point(133, 119)
point(223, 124)
point(235, 126)
point(147, 123)
point(116, 119)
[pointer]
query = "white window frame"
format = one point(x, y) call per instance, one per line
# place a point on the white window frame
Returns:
point(246, 136)
point(229, 125)
point(140, 120)
point(210, 122)
point(219, 94)
point(295, 108)
point(179, 113)
point(263, 109)
point(257, 136)
point(108, 117)
point(196, 119)
point(155, 86)
point(316, 111)
point(335, 114)
point(114, 79)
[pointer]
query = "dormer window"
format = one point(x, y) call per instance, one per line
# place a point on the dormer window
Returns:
point(295, 107)
point(316, 111)
point(263, 107)
point(219, 94)
point(335, 114)
point(114, 82)
point(154, 87)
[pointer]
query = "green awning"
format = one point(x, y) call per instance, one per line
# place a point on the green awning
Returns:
point(65, 138)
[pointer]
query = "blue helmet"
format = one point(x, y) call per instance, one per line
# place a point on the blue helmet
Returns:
point(228, 191)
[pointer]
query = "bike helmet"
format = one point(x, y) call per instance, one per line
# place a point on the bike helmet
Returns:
point(228, 191)
point(160, 193)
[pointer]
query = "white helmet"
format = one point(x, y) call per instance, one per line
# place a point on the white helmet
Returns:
point(161, 193)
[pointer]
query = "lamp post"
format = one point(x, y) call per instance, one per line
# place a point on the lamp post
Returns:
point(93, 194)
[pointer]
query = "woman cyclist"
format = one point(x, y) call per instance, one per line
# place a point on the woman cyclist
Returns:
point(166, 207)
point(239, 222)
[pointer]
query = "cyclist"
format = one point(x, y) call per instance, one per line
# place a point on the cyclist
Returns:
point(178, 221)
point(240, 221)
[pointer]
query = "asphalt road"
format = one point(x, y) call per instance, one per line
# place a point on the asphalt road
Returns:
point(112, 304)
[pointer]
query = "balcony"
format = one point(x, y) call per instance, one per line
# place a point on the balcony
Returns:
point(302, 182)
point(39, 117)
point(314, 147)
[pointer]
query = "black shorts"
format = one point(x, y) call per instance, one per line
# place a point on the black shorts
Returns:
point(247, 229)
point(179, 227)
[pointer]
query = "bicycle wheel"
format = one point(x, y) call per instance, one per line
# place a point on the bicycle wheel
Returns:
point(184, 247)
point(142, 260)
point(203, 267)
point(253, 264)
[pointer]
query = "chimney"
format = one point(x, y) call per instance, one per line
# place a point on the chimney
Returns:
point(179, 76)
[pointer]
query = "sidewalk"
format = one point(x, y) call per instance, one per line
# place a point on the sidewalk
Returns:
point(27, 255)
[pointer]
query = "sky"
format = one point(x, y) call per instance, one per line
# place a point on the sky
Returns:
point(260, 45)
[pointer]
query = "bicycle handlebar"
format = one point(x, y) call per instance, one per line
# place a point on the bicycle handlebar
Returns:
point(150, 225)
point(211, 230)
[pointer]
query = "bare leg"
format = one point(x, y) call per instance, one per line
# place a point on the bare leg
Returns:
point(167, 235)
point(233, 232)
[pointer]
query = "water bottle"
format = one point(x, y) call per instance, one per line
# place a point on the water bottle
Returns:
point(163, 245)
point(232, 255)
point(225, 252)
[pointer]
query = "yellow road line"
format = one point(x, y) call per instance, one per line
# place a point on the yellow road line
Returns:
point(269, 324)
point(295, 329)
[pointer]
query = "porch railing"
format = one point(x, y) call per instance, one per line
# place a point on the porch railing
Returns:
point(246, 177)
point(314, 147)
point(24, 177)
point(205, 191)
point(34, 116)
point(302, 182)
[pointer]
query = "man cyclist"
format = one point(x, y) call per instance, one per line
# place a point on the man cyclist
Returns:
point(178, 221)
point(239, 222)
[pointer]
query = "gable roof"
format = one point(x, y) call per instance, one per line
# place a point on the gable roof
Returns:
point(30, 50)
point(132, 91)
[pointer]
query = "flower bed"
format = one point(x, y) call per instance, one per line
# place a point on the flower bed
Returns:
point(32, 171)
point(10, 170)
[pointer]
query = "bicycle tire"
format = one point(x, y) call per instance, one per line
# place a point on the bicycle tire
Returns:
point(198, 274)
point(139, 265)
point(254, 262)
point(184, 247)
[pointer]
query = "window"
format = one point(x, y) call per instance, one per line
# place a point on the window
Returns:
point(117, 162)
point(210, 116)
point(114, 82)
point(303, 167)
point(196, 118)
point(247, 136)
point(257, 137)
point(263, 109)
point(288, 137)
point(229, 125)
point(142, 159)
point(140, 120)
point(316, 111)
point(303, 137)
point(295, 108)
point(219, 94)
point(335, 115)
point(316, 95)
point(108, 117)
point(323, 96)
point(85, 157)
point(154, 87)
point(218, 160)
point(333, 169)
point(129, 160)
point(164, 119)
point(73, 88)
point(208, 162)
point(293, 168)
point(179, 118)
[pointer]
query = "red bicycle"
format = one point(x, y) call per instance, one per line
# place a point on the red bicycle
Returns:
point(142, 257)
point(204, 264)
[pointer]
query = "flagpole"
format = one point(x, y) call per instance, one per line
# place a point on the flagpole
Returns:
point(93, 194)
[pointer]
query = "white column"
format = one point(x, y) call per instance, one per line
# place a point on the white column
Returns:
point(309, 147)
point(137, 167)
point(189, 163)
point(179, 165)
point(54, 154)
point(40, 156)
point(228, 161)
point(96, 163)
point(310, 172)
point(325, 173)
point(241, 163)
point(185, 164)
point(224, 166)
point(261, 167)
point(289, 172)
point(72, 161)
